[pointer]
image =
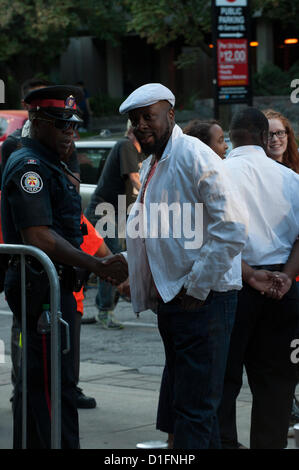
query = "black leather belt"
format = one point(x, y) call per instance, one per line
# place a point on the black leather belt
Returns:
point(72, 278)
point(15, 261)
point(269, 267)
point(178, 298)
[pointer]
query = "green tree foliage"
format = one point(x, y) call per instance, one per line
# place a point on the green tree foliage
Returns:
point(34, 30)
point(106, 19)
point(163, 21)
point(33, 33)
point(271, 80)
point(284, 11)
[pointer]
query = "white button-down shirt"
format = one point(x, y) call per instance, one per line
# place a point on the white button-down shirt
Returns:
point(191, 179)
point(271, 193)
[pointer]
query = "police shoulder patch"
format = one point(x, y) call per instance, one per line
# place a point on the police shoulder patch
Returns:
point(31, 182)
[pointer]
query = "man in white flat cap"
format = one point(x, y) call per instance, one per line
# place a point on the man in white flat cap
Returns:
point(182, 265)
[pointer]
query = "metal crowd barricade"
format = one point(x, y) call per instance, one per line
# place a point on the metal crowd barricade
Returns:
point(56, 319)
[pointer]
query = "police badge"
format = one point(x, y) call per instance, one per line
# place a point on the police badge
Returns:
point(70, 102)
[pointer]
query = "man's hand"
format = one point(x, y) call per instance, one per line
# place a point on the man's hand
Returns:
point(113, 268)
point(281, 285)
point(124, 289)
point(266, 282)
point(191, 303)
point(272, 284)
point(188, 302)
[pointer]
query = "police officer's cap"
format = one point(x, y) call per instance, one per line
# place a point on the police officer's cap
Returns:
point(58, 102)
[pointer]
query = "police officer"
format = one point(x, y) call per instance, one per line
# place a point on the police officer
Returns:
point(40, 207)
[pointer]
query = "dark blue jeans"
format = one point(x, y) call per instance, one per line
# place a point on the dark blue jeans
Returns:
point(196, 346)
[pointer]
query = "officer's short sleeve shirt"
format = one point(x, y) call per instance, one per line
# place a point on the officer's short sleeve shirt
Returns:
point(29, 194)
point(36, 192)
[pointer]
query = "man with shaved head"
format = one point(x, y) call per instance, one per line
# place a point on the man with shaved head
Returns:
point(264, 327)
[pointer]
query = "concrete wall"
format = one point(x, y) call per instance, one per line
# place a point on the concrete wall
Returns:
point(265, 49)
point(114, 71)
point(197, 79)
point(83, 61)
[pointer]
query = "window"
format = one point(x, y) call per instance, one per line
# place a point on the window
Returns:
point(91, 161)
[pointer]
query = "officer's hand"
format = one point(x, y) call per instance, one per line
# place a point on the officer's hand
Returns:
point(113, 268)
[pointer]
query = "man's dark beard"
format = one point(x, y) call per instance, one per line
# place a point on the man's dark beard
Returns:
point(158, 146)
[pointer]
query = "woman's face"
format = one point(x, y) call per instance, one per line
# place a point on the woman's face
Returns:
point(277, 144)
point(217, 142)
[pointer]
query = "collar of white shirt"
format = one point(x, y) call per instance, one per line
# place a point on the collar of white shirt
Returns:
point(246, 150)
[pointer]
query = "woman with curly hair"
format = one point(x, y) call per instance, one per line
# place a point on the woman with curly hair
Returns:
point(282, 145)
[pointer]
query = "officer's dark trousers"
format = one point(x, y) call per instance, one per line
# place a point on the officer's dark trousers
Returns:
point(39, 385)
point(261, 339)
point(196, 346)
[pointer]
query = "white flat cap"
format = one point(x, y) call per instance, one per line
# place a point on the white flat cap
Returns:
point(145, 96)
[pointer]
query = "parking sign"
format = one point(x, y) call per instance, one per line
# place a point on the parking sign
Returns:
point(231, 31)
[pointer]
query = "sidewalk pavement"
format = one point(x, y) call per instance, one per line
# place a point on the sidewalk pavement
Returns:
point(126, 397)
point(125, 412)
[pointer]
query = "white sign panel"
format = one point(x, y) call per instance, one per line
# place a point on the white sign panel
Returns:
point(231, 3)
point(2, 92)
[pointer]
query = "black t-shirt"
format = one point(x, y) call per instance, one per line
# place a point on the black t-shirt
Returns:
point(122, 160)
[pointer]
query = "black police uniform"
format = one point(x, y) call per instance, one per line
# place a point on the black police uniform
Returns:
point(10, 145)
point(36, 192)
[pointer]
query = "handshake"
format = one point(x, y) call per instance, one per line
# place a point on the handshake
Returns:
point(274, 284)
point(114, 269)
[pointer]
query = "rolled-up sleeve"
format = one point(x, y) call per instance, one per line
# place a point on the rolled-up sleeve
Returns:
point(227, 230)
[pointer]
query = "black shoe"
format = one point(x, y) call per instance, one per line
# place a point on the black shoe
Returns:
point(295, 412)
point(241, 446)
point(232, 445)
point(88, 320)
point(83, 401)
point(294, 417)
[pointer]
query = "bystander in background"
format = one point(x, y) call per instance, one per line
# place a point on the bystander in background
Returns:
point(210, 132)
point(264, 327)
point(283, 148)
point(84, 107)
point(120, 177)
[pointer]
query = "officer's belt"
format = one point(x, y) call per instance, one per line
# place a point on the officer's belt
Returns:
point(71, 277)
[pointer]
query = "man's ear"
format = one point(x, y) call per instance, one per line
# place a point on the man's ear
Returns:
point(35, 123)
point(171, 114)
point(230, 135)
point(264, 136)
point(24, 105)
